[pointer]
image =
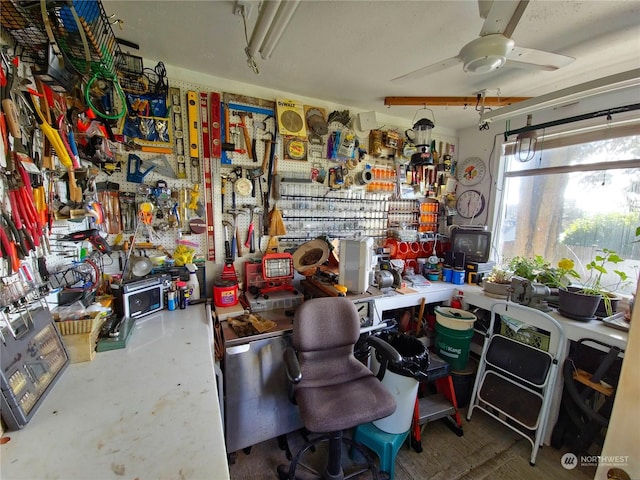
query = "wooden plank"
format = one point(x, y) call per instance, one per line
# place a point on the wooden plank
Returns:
point(585, 378)
point(453, 101)
point(258, 102)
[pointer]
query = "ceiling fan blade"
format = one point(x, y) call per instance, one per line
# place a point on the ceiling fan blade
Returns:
point(530, 58)
point(428, 70)
point(501, 16)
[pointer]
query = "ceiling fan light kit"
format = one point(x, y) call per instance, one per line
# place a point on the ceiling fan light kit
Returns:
point(486, 54)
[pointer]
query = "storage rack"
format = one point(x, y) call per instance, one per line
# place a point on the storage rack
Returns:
point(81, 32)
point(313, 209)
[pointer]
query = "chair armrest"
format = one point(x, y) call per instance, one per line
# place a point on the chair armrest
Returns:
point(294, 374)
point(387, 352)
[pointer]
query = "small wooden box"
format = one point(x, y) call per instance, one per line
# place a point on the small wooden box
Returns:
point(81, 346)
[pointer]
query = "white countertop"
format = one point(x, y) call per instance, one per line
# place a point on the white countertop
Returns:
point(149, 411)
point(433, 293)
point(573, 329)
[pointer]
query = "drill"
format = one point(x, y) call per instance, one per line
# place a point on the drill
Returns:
point(93, 236)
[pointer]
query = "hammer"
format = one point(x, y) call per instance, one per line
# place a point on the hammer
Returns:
point(250, 243)
point(257, 125)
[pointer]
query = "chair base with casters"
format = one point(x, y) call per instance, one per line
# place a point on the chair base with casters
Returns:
point(385, 445)
point(335, 442)
point(333, 390)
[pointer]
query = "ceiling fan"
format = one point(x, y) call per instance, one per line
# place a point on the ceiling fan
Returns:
point(494, 47)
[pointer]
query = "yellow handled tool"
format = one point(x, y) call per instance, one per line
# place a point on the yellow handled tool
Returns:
point(51, 133)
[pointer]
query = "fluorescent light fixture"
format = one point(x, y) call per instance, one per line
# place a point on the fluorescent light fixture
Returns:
point(526, 143)
point(272, 21)
point(565, 96)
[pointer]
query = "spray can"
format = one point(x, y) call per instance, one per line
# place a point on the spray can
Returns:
point(182, 295)
point(171, 300)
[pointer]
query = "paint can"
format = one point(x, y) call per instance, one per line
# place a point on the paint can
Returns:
point(225, 293)
point(457, 277)
point(447, 274)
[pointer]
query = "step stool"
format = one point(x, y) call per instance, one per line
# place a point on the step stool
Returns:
point(385, 445)
point(442, 404)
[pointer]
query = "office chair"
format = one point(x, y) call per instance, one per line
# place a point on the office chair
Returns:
point(333, 390)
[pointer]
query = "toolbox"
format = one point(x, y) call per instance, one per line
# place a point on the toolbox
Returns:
point(33, 358)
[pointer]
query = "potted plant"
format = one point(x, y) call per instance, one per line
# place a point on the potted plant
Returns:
point(532, 268)
point(498, 282)
point(581, 302)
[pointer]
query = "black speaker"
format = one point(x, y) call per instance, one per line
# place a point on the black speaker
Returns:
point(459, 260)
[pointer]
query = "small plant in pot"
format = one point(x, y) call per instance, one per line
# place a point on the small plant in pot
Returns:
point(534, 268)
point(581, 302)
point(498, 282)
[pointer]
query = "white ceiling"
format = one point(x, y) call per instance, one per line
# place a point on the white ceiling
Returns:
point(346, 52)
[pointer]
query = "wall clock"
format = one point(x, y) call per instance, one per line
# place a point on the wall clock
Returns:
point(471, 171)
point(470, 204)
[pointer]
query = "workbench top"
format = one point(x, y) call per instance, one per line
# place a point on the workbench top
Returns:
point(149, 411)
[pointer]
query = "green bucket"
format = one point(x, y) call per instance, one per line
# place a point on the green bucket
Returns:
point(453, 346)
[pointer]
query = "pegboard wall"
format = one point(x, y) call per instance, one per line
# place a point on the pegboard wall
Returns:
point(237, 175)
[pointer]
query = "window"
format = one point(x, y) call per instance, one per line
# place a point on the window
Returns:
point(574, 198)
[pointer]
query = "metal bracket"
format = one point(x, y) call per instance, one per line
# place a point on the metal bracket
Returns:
point(241, 6)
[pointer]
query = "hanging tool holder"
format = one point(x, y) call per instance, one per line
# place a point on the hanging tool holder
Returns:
point(62, 39)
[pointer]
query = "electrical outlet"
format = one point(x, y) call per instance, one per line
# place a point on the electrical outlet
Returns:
point(243, 5)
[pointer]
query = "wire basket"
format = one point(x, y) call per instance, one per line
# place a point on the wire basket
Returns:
point(529, 336)
point(79, 30)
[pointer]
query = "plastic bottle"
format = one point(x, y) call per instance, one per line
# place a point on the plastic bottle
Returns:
point(193, 285)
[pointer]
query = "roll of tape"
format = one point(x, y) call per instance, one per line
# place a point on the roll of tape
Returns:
point(364, 177)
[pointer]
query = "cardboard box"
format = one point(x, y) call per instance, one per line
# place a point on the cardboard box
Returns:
point(81, 336)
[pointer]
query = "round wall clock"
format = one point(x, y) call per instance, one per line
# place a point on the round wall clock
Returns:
point(471, 171)
point(470, 204)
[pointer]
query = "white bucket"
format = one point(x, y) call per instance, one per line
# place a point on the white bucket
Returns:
point(454, 318)
point(404, 391)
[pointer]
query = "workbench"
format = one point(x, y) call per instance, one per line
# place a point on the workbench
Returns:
point(150, 410)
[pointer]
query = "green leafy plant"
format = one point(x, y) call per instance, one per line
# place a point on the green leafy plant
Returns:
point(532, 268)
point(596, 268)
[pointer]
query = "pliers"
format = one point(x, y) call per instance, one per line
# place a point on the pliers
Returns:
point(18, 236)
point(8, 249)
